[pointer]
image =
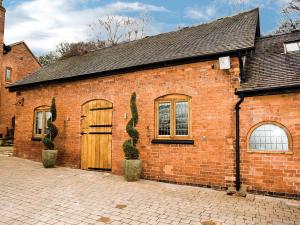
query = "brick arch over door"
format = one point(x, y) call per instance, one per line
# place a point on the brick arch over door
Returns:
point(96, 134)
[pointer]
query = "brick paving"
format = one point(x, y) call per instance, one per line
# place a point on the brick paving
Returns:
point(6, 150)
point(30, 194)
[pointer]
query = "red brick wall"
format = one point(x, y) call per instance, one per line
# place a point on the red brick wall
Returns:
point(2, 21)
point(22, 63)
point(208, 162)
point(266, 171)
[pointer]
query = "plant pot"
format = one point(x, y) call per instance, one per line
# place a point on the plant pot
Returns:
point(132, 169)
point(49, 158)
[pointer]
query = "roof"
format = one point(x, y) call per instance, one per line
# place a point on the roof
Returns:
point(7, 49)
point(224, 35)
point(17, 43)
point(270, 67)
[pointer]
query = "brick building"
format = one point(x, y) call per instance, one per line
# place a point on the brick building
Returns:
point(16, 62)
point(218, 106)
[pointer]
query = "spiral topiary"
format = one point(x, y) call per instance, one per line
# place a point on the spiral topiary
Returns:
point(48, 140)
point(129, 146)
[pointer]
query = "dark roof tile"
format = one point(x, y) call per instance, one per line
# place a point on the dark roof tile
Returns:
point(223, 35)
point(269, 66)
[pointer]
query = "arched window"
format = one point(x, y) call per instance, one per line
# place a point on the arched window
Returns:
point(41, 115)
point(172, 117)
point(269, 137)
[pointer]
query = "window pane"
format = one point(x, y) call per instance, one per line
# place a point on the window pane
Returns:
point(8, 74)
point(38, 122)
point(292, 47)
point(269, 137)
point(164, 118)
point(48, 116)
point(182, 116)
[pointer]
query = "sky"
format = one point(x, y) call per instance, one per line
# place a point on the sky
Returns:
point(43, 24)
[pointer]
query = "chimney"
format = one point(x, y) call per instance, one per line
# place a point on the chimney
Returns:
point(2, 22)
point(2, 18)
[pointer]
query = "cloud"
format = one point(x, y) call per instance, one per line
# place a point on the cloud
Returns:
point(45, 23)
point(203, 13)
point(135, 6)
point(282, 2)
point(261, 3)
point(238, 1)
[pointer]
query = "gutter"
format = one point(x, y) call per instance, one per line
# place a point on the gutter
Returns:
point(154, 65)
point(268, 91)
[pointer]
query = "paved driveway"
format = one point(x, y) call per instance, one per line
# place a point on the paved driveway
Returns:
point(30, 194)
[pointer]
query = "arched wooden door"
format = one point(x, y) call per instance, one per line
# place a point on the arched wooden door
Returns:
point(96, 134)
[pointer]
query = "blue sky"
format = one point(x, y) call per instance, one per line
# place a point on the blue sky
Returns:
point(42, 24)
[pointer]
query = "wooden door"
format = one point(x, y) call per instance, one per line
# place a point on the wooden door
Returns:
point(96, 134)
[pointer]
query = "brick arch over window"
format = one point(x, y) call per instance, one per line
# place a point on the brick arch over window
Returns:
point(173, 117)
point(40, 117)
point(269, 137)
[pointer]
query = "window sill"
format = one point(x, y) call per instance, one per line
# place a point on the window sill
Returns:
point(36, 139)
point(170, 141)
point(270, 152)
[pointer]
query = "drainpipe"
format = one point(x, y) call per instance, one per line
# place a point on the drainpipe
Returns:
point(237, 143)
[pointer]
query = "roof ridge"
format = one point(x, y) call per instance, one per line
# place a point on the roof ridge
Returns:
point(24, 43)
point(164, 33)
point(203, 24)
point(280, 34)
point(16, 43)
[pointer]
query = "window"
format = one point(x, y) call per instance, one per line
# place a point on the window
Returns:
point(173, 117)
point(292, 47)
point(41, 115)
point(8, 72)
point(269, 137)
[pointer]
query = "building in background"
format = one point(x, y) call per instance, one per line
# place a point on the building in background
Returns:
point(16, 62)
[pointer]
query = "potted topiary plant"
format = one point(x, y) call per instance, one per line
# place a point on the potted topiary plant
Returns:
point(49, 155)
point(132, 164)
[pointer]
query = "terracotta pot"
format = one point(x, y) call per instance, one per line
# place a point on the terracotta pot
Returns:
point(49, 158)
point(132, 169)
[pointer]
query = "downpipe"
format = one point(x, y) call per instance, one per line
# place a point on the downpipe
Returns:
point(237, 144)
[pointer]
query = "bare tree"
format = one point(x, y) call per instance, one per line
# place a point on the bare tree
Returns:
point(47, 59)
point(116, 29)
point(111, 29)
point(291, 17)
point(66, 50)
point(295, 5)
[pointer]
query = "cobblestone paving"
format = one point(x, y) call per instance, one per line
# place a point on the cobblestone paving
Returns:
point(30, 194)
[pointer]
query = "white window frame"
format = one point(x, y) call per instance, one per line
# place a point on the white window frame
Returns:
point(10, 78)
point(297, 43)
